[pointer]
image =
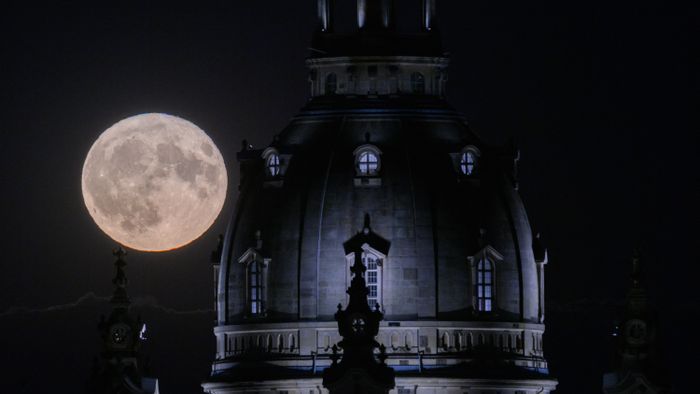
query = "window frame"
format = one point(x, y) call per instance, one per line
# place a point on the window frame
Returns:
point(463, 163)
point(367, 150)
point(380, 262)
point(478, 275)
point(252, 257)
point(273, 165)
point(484, 281)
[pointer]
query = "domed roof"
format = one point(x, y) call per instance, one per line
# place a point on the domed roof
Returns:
point(378, 164)
point(433, 217)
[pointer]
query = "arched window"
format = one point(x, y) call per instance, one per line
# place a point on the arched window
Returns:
point(273, 164)
point(467, 162)
point(484, 285)
point(367, 160)
point(394, 341)
point(331, 84)
point(417, 83)
point(255, 274)
point(292, 343)
point(372, 275)
point(445, 341)
point(367, 163)
point(255, 287)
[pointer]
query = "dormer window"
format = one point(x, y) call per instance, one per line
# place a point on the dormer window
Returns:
point(484, 285)
point(368, 163)
point(255, 266)
point(372, 277)
point(255, 288)
point(276, 165)
point(367, 160)
point(467, 163)
point(373, 251)
point(483, 277)
point(273, 165)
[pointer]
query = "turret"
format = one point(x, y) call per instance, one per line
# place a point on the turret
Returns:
point(638, 364)
point(376, 60)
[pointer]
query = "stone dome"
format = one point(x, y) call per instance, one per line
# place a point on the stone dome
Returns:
point(434, 218)
point(377, 163)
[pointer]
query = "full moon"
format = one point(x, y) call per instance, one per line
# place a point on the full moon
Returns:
point(154, 182)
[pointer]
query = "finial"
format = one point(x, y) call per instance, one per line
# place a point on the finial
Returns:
point(258, 239)
point(482, 236)
point(366, 227)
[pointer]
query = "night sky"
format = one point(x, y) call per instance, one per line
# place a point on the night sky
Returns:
point(598, 97)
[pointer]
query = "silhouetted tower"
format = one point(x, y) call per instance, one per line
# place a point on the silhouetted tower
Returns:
point(120, 367)
point(359, 370)
point(639, 367)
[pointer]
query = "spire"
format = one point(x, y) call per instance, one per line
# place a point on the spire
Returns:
point(120, 281)
point(638, 359)
point(637, 302)
point(120, 366)
point(358, 324)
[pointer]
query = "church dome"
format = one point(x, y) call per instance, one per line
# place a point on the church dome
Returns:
point(439, 197)
point(378, 163)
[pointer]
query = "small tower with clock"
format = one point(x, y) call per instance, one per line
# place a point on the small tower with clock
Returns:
point(120, 368)
point(360, 370)
point(639, 367)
